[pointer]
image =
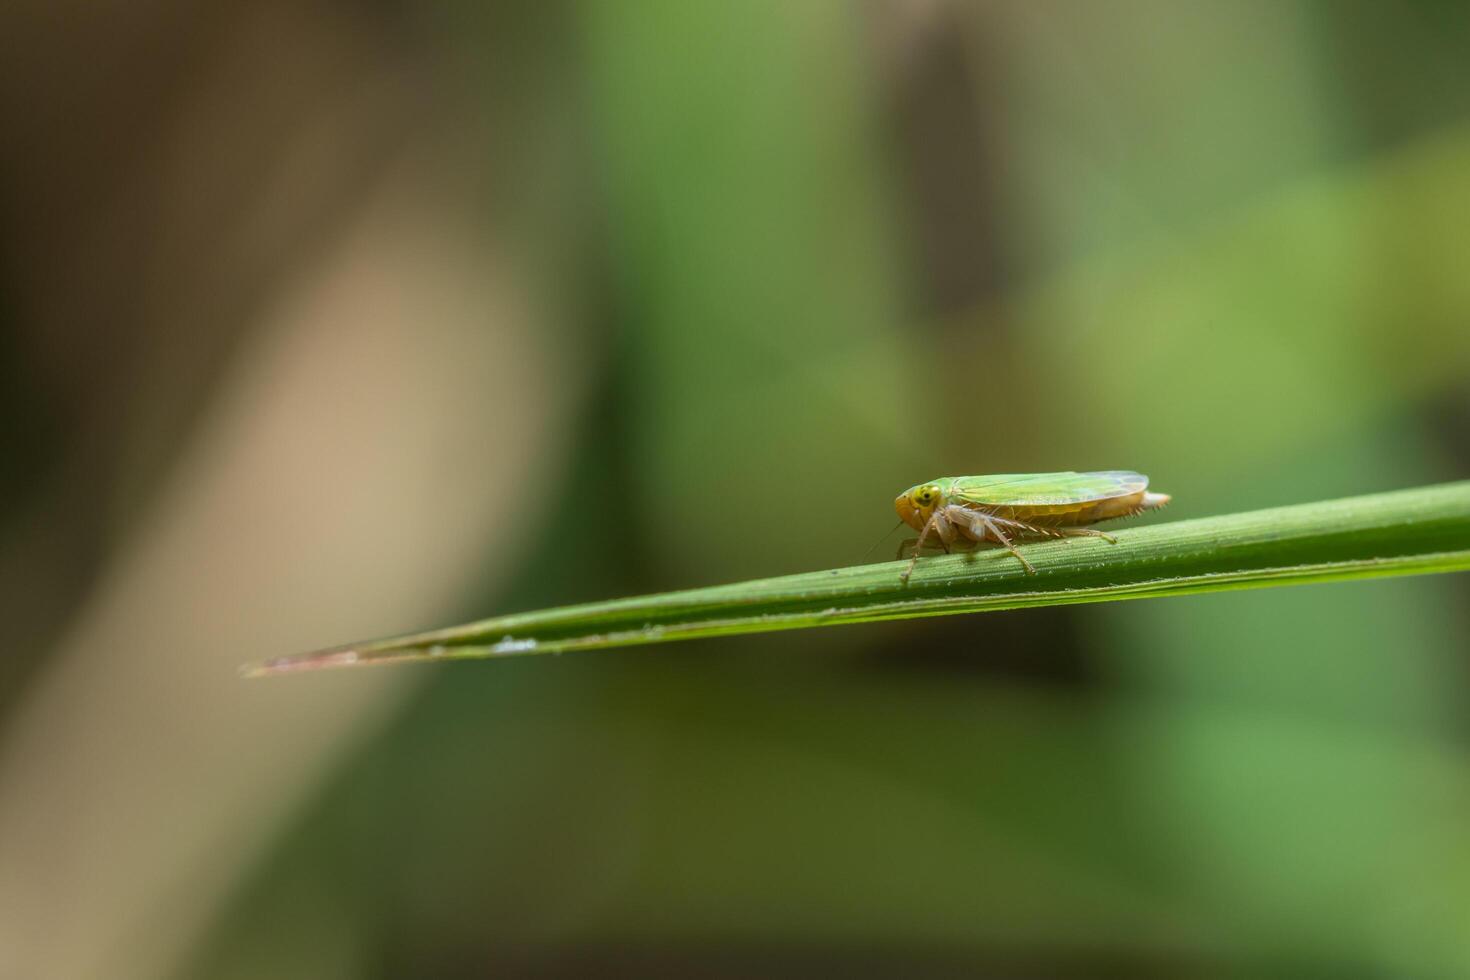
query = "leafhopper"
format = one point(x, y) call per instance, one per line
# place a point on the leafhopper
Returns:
point(1008, 507)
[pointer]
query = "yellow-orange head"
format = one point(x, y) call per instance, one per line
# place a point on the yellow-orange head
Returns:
point(916, 504)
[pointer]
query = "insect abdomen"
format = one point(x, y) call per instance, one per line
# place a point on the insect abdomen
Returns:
point(1086, 512)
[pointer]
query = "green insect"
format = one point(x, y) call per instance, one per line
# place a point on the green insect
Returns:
point(1012, 506)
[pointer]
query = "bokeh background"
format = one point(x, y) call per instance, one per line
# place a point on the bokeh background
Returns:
point(325, 320)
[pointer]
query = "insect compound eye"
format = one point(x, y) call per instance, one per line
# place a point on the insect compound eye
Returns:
point(925, 497)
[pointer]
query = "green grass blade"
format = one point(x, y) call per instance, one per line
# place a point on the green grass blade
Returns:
point(1401, 533)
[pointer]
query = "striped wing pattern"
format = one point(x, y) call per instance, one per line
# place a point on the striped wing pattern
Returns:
point(1045, 489)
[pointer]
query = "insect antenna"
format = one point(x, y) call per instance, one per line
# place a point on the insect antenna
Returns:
point(878, 542)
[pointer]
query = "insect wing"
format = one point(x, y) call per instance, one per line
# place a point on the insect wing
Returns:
point(1045, 489)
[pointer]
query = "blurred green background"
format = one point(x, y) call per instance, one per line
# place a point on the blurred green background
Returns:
point(325, 320)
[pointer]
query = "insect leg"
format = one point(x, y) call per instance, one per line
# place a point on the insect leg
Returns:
point(999, 535)
point(911, 546)
point(942, 528)
point(918, 547)
point(1085, 532)
point(967, 519)
point(1053, 531)
point(1018, 528)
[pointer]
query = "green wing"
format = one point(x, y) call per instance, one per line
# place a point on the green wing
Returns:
point(1045, 489)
